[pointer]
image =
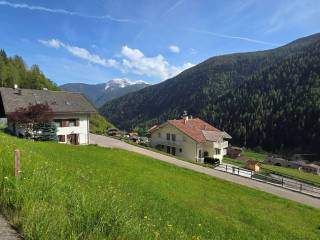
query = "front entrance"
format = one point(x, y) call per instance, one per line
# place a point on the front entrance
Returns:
point(73, 139)
point(173, 151)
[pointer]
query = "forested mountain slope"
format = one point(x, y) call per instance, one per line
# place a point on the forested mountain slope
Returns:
point(268, 98)
point(13, 70)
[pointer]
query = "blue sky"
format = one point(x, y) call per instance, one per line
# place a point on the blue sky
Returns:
point(95, 41)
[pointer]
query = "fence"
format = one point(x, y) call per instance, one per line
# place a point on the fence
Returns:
point(275, 180)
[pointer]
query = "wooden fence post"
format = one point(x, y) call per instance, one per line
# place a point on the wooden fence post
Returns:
point(17, 162)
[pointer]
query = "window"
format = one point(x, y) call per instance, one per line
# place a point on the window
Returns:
point(61, 138)
point(162, 146)
point(168, 136)
point(159, 135)
point(180, 150)
point(184, 139)
point(68, 122)
point(200, 154)
point(173, 151)
point(58, 123)
point(173, 137)
point(73, 123)
point(218, 151)
point(205, 154)
point(168, 149)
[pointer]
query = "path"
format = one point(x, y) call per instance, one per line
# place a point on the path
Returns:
point(281, 192)
point(6, 231)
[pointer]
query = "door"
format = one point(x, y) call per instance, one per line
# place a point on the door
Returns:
point(168, 149)
point(173, 151)
point(73, 139)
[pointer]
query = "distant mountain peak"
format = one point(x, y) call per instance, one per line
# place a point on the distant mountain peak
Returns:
point(100, 93)
point(122, 83)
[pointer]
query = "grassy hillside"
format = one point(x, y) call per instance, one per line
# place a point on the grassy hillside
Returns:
point(98, 124)
point(72, 192)
point(268, 98)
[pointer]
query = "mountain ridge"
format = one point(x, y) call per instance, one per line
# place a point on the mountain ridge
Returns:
point(220, 81)
point(98, 94)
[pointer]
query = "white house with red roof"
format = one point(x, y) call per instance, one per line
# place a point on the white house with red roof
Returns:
point(190, 138)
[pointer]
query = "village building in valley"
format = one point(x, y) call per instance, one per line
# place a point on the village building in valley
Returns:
point(71, 111)
point(190, 138)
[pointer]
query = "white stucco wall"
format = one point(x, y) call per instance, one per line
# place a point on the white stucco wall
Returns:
point(190, 148)
point(82, 130)
point(184, 142)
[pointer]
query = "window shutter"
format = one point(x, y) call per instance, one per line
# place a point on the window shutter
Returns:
point(62, 138)
point(64, 123)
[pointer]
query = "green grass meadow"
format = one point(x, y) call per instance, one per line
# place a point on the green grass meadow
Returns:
point(88, 192)
point(294, 173)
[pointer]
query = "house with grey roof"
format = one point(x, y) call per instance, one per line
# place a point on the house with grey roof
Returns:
point(71, 110)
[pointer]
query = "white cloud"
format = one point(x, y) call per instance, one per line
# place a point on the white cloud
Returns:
point(135, 61)
point(176, 70)
point(132, 60)
point(80, 52)
point(193, 51)
point(51, 43)
point(62, 11)
point(293, 13)
point(234, 37)
point(174, 49)
point(173, 7)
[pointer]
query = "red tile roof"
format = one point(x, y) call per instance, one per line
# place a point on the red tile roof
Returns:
point(193, 128)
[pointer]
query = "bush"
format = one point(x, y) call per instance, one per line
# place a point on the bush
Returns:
point(47, 132)
point(211, 160)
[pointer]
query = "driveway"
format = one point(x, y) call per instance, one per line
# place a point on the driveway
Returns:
point(6, 231)
point(281, 192)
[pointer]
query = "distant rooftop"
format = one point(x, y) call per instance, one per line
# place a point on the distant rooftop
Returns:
point(196, 129)
point(60, 102)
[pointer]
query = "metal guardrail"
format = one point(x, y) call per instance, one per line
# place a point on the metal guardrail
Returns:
point(278, 181)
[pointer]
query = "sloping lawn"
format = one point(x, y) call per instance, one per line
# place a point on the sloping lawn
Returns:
point(70, 192)
point(254, 155)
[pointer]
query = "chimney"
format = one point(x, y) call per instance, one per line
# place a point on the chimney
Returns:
point(185, 116)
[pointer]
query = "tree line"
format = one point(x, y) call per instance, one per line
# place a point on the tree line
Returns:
point(13, 70)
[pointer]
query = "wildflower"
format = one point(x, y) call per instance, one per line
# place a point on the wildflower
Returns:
point(199, 224)
point(6, 178)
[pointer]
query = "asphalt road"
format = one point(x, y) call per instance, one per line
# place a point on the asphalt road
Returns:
point(6, 231)
point(104, 141)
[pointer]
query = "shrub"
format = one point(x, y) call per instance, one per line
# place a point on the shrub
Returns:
point(211, 160)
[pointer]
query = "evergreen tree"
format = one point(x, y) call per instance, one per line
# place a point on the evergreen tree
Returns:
point(13, 70)
point(47, 132)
